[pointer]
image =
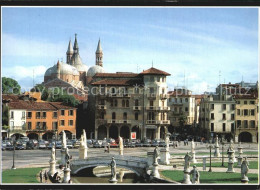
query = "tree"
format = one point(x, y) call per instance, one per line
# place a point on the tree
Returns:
point(41, 88)
point(10, 85)
point(5, 115)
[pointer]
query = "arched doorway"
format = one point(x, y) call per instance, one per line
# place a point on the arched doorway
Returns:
point(162, 132)
point(171, 129)
point(17, 135)
point(48, 135)
point(125, 132)
point(113, 132)
point(245, 137)
point(137, 130)
point(33, 136)
point(102, 132)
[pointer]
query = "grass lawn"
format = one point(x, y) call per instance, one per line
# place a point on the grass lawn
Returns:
point(210, 177)
point(252, 164)
point(22, 175)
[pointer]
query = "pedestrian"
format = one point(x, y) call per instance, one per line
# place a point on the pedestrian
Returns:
point(105, 148)
point(46, 176)
point(41, 176)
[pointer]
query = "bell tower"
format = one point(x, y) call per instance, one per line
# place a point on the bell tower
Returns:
point(99, 55)
point(69, 53)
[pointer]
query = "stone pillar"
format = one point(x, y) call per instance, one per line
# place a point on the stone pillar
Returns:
point(144, 132)
point(236, 138)
point(155, 171)
point(63, 155)
point(193, 152)
point(107, 132)
point(204, 163)
point(164, 157)
point(216, 153)
point(254, 139)
point(66, 178)
point(121, 175)
point(230, 162)
point(83, 152)
point(52, 170)
point(186, 178)
point(240, 157)
point(96, 133)
point(166, 129)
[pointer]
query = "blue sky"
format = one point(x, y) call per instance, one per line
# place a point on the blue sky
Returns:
point(199, 42)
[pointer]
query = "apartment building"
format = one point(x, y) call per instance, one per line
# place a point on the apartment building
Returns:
point(130, 102)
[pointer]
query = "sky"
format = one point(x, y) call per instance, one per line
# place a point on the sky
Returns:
point(199, 47)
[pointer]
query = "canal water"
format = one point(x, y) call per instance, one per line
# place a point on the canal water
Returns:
point(103, 175)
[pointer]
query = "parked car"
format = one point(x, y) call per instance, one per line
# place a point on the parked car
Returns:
point(131, 144)
point(69, 144)
point(30, 145)
point(9, 147)
point(49, 146)
point(76, 144)
point(113, 145)
point(42, 145)
point(155, 143)
point(162, 144)
point(138, 144)
point(58, 145)
point(97, 144)
point(147, 143)
point(3, 148)
point(20, 147)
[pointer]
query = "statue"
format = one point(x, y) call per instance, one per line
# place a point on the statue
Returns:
point(113, 168)
point(187, 159)
point(244, 171)
point(64, 140)
point(53, 153)
point(195, 175)
point(121, 146)
point(67, 157)
point(155, 155)
point(81, 141)
point(167, 140)
point(192, 146)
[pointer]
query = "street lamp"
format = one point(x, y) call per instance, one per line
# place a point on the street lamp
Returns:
point(210, 147)
point(222, 154)
point(13, 138)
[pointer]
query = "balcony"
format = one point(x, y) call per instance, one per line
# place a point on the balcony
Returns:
point(164, 96)
point(118, 121)
point(158, 122)
point(137, 108)
point(120, 95)
point(151, 96)
point(156, 108)
point(103, 107)
point(102, 121)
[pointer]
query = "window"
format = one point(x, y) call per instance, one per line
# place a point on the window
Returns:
point(44, 125)
point(111, 103)
point(151, 90)
point(224, 116)
point(252, 124)
point(238, 102)
point(124, 116)
point(212, 106)
point(102, 115)
point(136, 102)
point(224, 106)
point(232, 116)
point(115, 103)
point(29, 125)
point(38, 115)
point(151, 103)
point(23, 114)
point(38, 125)
point(44, 114)
point(12, 114)
point(245, 112)
point(252, 112)
point(127, 103)
point(123, 103)
point(238, 111)
point(245, 102)
point(70, 122)
point(238, 123)
point(55, 125)
point(186, 109)
point(245, 124)
point(163, 90)
point(113, 115)
point(181, 100)
point(71, 112)
point(212, 116)
point(232, 127)
point(158, 79)
point(252, 102)
point(54, 114)
point(180, 110)
point(62, 112)
point(29, 114)
point(136, 116)
point(151, 78)
point(11, 123)
point(62, 122)
point(233, 106)
point(224, 127)
point(212, 127)
point(136, 90)
point(175, 109)
point(186, 99)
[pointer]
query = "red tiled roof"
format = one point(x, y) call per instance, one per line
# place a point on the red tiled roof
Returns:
point(118, 74)
point(117, 82)
point(154, 71)
point(60, 105)
point(31, 105)
point(10, 97)
point(81, 98)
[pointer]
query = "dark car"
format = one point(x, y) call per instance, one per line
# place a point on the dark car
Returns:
point(58, 145)
point(9, 147)
point(49, 146)
point(97, 144)
point(20, 147)
point(147, 143)
point(162, 144)
point(138, 144)
point(155, 143)
point(30, 145)
point(3, 148)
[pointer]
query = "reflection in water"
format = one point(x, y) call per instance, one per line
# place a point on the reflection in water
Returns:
point(122, 176)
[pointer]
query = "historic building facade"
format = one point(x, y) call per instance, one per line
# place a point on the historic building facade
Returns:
point(130, 102)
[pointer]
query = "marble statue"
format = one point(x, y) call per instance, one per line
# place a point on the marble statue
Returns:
point(67, 156)
point(53, 152)
point(187, 159)
point(64, 140)
point(113, 168)
point(195, 175)
point(121, 146)
point(192, 146)
point(155, 155)
point(244, 171)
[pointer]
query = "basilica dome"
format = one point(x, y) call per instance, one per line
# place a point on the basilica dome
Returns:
point(64, 69)
point(95, 69)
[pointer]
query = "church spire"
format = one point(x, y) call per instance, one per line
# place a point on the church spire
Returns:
point(99, 54)
point(69, 53)
point(76, 47)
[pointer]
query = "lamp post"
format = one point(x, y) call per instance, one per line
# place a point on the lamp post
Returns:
point(222, 154)
point(13, 138)
point(210, 147)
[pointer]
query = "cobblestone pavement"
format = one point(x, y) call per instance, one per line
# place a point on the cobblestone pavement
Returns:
point(40, 158)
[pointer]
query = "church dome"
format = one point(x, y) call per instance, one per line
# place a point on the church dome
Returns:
point(64, 69)
point(48, 72)
point(82, 68)
point(95, 69)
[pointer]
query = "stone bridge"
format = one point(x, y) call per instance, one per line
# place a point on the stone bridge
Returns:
point(136, 164)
